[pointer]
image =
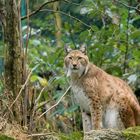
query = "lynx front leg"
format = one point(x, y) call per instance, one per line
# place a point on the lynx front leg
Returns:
point(86, 119)
point(96, 114)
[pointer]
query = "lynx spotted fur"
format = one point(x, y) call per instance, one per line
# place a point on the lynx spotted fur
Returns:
point(105, 100)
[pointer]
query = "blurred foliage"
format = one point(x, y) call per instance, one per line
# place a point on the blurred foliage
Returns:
point(4, 137)
point(111, 31)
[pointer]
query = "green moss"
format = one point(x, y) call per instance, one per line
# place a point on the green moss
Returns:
point(4, 137)
point(72, 136)
point(132, 133)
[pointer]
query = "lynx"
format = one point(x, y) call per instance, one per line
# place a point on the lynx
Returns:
point(105, 100)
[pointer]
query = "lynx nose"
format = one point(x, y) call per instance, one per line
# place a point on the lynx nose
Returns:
point(74, 65)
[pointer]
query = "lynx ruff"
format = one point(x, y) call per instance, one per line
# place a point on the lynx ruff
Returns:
point(105, 100)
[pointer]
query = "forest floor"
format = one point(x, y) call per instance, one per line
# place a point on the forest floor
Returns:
point(9, 131)
point(16, 132)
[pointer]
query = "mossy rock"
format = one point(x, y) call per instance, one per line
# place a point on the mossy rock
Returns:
point(132, 133)
point(4, 137)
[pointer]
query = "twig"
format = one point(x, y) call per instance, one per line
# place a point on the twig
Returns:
point(40, 134)
point(36, 11)
point(56, 103)
point(42, 104)
point(36, 101)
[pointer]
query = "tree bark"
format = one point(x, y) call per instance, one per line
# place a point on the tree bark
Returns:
point(2, 12)
point(13, 55)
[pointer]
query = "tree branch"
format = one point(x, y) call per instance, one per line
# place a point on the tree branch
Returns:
point(36, 11)
point(63, 13)
point(41, 134)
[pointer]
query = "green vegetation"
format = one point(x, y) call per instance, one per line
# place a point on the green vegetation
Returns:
point(4, 137)
point(109, 28)
point(72, 136)
point(132, 133)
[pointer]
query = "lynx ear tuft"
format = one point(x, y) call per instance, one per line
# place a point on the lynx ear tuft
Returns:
point(83, 48)
point(67, 48)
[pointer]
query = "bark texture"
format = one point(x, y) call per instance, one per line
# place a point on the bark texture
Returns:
point(2, 12)
point(13, 54)
point(58, 24)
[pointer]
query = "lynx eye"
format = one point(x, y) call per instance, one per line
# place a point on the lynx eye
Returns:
point(79, 58)
point(70, 58)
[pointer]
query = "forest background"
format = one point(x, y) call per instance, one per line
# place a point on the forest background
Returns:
point(33, 34)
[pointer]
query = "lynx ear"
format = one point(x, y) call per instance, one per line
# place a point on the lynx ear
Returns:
point(83, 48)
point(67, 48)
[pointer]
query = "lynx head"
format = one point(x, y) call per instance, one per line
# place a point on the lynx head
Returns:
point(76, 61)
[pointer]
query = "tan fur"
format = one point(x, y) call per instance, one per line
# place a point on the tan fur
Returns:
point(105, 100)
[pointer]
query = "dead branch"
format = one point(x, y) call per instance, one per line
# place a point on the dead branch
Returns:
point(40, 134)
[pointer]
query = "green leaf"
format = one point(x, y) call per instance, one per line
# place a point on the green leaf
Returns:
point(136, 54)
point(135, 36)
point(122, 48)
point(34, 78)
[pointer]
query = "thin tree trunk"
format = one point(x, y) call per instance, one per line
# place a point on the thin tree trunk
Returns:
point(58, 24)
point(13, 56)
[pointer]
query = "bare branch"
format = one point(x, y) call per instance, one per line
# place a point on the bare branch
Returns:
point(40, 94)
point(41, 134)
point(36, 11)
point(61, 12)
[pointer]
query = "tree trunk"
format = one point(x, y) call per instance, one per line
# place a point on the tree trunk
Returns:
point(58, 24)
point(13, 56)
